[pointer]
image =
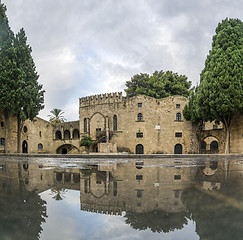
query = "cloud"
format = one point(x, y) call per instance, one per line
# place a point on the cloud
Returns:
point(95, 46)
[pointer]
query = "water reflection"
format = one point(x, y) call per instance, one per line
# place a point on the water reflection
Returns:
point(156, 195)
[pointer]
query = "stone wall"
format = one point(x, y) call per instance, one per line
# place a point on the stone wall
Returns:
point(158, 128)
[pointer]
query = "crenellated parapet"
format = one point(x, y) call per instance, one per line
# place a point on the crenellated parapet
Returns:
point(101, 99)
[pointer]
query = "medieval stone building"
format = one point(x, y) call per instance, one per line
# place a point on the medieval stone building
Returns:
point(140, 124)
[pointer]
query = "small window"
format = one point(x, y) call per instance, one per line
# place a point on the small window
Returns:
point(25, 129)
point(139, 204)
point(85, 125)
point(178, 106)
point(139, 135)
point(40, 146)
point(139, 193)
point(40, 133)
point(139, 177)
point(139, 105)
point(178, 134)
point(177, 177)
point(114, 123)
point(178, 117)
point(140, 117)
point(2, 141)
point(2, 124)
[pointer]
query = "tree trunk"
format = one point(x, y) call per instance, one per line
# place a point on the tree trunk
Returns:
point(6, 119)
point(19, 130)
point(227, 135)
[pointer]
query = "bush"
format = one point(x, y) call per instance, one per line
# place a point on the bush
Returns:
point(86, 141)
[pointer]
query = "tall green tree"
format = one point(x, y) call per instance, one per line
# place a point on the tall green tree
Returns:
point(161, 84)
point(7, 70)
point(220, 93)
point(56, 116)
point(29, 96)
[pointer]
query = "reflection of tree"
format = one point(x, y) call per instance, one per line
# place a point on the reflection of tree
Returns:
point(58, 193)
point(157, 220)
point(22, 214)
point(218, 215)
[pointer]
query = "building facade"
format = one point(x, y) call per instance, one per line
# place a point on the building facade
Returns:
point(140, 124)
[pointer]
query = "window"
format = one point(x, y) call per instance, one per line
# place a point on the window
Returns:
point(139, 134)
point(2, 141)
point(98, 130)
point(140, 117)
point(40, 146)
point(177, 177)
point(66, 134)
point(2, 124)
point(178, 106)
point(58, 135)
point(114, 123)
point(85, 125)
point(25, 129)
point(178, 134)
point(40, 133)
point(139, 177)
point(178, 117)
point(139, 193)
point(76, 134)
point(139, 105)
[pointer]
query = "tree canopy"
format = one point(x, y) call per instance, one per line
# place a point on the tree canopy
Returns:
point(220, 93)
point(161, 84)
point(56, 116)
point(20, 92)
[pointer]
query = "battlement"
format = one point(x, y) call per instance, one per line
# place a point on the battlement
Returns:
point(101, 99)
point(108, 210)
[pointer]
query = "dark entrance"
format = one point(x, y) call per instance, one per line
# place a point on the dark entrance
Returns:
point(139, 149)
point(64, 151)
point(24, 147)
point(178, 149)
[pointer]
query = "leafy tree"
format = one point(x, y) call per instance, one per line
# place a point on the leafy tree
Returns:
point(86, 141)
point(20, 94)
point(7, 69)
point(56, 116)
point(220, 93)
point(159, 85)
point(29, 96)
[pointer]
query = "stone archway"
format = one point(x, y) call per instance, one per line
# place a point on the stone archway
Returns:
point(67, 149)
point(178, 149)
point(97, 123)
point(139, 149)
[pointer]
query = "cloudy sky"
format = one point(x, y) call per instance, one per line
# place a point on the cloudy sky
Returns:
point(87, 47)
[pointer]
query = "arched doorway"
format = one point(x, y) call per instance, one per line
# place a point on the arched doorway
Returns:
point(64, 151)
point(139, 149)
point(178, 149)
point(214, 146)
point(24, 147)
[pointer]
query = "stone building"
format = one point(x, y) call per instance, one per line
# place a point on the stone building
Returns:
point(140, 124)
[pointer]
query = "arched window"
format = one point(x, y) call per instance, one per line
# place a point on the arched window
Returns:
point(66, 134)
point(58, 135)
point(214, 146)
point(139, 149)
point(76, 134)
point(85, 125)
point(40, 146)
point(178, 149)
point(114, 123)
point(25, 129)
point(178, 117)
point(140, 117)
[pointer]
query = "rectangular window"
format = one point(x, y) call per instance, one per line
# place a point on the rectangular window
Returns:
point(2, 141)
point(177, 177)
point(178, 134)
point(2, 124)
point(139, 177)
point(139, 105)
point(139, 193)
point(139, 135)
point(178, 106)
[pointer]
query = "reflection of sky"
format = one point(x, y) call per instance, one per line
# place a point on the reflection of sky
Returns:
point(67, 222)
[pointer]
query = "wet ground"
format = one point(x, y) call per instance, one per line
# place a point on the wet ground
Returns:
point(121, 198)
